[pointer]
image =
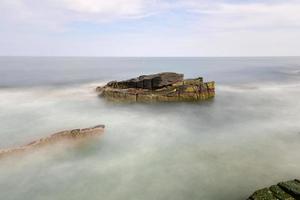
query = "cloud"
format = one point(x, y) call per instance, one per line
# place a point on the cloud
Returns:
point(149, 27)
point(116, 7)
point(250, 15)
point(65, 11)
point(217, 14)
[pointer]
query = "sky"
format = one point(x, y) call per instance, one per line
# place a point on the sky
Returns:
point(149, 27)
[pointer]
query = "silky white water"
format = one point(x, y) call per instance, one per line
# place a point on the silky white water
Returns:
point(247, 138)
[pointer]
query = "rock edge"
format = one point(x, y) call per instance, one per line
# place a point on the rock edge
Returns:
point(289, 190)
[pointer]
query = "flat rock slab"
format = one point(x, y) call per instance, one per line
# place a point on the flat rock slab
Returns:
point(56, 137)
point(289, 190)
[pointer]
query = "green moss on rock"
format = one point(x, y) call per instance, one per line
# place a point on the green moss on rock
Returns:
point(289, 190)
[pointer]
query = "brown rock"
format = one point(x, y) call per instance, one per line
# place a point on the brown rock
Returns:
point(163, 87)
point(63, 135)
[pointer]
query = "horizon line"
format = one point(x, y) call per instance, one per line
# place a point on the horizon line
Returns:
point(78, 56)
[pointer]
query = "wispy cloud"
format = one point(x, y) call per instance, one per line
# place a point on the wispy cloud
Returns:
point(144, 27)
point(278, 14)
point(219, 13)
point(64, 11)
point(108, 8)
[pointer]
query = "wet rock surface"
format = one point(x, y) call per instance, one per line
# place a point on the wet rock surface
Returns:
point(56, 137)
point(162, 87)
point(289, 190)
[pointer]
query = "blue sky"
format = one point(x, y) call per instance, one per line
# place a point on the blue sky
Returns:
point(150, 27)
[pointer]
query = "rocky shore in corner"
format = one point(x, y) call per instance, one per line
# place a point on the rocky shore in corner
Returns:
point(289, 190)
point(162, 87)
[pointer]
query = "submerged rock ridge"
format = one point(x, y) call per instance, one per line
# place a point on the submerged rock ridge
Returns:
point(289, 190)
point(162, 87)
point(74, 134)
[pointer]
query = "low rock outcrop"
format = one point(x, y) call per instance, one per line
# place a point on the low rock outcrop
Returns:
point(162, 87)
point(289, 190)
point(56, 137)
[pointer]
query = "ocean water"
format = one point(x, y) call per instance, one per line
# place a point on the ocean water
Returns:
point(247, 138)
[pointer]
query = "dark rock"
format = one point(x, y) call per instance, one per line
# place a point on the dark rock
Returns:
point(161, 80)
point(147, 83)
point(150, 82)
point(279, 193)
point(263, 194)
point(291, 187)
point(131, 83)
point(140, 84)
point(165, 79)
point(289, 190)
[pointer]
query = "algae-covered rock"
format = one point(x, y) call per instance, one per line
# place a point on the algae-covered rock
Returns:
point(291, 187)
point(280, 194)
point(263, 194)
point(289, 190)
point(162, 87)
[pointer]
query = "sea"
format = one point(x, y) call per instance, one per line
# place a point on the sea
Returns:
point(246, 138)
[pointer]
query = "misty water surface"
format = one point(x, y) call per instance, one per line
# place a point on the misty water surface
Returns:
point(248, 137)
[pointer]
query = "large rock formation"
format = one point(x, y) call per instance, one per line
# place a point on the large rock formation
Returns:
point(289, 190)
point(56, 137)
point(163, 87)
